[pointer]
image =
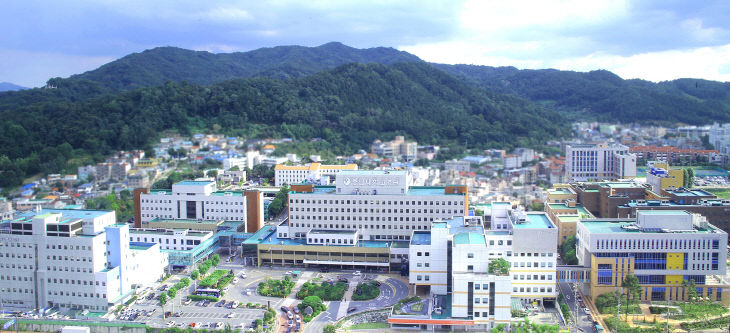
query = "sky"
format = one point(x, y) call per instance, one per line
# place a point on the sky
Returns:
point(654, 40)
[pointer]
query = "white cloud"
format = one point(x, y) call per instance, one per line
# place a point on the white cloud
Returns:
point(16, 69)
point(702, 62)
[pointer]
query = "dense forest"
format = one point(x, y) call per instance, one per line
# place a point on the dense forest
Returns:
point(604, 96)
point(348, 106)
point(327, 92)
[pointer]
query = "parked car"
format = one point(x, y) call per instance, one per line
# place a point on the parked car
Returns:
point(296, 310)
point(352, 309)
point(588, 312)
point(284, 309)
point(357, 273)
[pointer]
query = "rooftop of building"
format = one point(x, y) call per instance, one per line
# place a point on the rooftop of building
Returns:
point(192, 233)
point(535, 220)
point(194, 182)
point(412, 190)
point(421, 238)
point(561, 190)
point(68, 213)
point(690, 193)
point(578, 207)
point(161, 220)
point(469, 238)
point(667, 203)
point(608, 226)
point(267, 236)
point(372, 172)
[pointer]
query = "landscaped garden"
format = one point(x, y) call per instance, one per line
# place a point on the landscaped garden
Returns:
point(366, 291)
point(406, 306)
point(276, 288)
point(325, 291)
point(310, 307)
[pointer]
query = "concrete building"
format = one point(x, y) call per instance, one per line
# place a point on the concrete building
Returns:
point(661, 248)
point(719, 136)
point(598, 162)
point(73, 259)
point(398, 149)
point(315, 172)
point(671, 154)
point(138, 179)
point(196, 200)
point(103, 172)
point(457, 165)
point(382, 205)
point(119, 171)
point(6, 209)
point(170, 239)
point(566, 216)
point(661, 177)
point(451, 263)
point(512, 161)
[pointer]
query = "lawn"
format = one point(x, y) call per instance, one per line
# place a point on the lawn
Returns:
point(699, 311)
point(719, 192)
point(366, 291)
point(368, 326)
point(326, 291)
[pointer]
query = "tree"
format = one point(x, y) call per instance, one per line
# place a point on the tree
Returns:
point(567, 250)
point(631, 287)
point(330, 329)
point(499, 266)
point(691, 180)
point(212, 173)
point(686, 178)
point(163, 301)
point(194, 275)
point(215, 259)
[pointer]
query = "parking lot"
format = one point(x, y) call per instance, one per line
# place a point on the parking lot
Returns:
point(243, 292)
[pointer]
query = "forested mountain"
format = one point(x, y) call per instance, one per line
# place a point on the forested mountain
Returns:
point(7, 86)
point(348, 106)
point(602, 95)
point(154, 67)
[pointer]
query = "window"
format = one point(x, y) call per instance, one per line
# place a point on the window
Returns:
point(470, 255)
point(470, 268)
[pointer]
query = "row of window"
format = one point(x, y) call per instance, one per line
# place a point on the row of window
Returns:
point(227, 203)
point(657, 244)
point(536, 277)
point(328, 241)
point(375, 202)
point(532, 289)
point(361, 226)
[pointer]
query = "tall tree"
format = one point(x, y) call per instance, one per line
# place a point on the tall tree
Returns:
point(632, 288)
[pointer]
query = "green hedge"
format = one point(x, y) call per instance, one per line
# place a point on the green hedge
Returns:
point(213, 278)
point(276, 288)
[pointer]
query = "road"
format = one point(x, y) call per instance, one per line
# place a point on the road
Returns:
point(585, 322)
point(391, 291)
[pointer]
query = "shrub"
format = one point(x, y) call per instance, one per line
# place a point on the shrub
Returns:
point(276, 288)
point(325, 291)
point(366, 291)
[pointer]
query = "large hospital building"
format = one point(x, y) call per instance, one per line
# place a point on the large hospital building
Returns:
point(380, 205)
point(72, 259)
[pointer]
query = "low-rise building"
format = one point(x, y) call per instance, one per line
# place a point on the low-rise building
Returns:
point(661, 177)
point(197, 200)
point(138, 179)
point(601, 161)
point(663, 249)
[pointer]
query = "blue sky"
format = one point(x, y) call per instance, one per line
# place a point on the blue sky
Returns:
point(653, 40)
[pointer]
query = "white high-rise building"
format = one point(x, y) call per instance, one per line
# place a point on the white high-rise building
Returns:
point(195, 200)
point(719, 136)
point(73, 259)
point(585, 162)
point(313, 172)
point(381, 205)
point(450, 262)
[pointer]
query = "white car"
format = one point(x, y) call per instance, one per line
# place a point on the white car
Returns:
point(230, 315)
point(357, 273)
point(170, 323)
point(235, 280)
point(218, 325)
point(243, 275)
point(588, 312)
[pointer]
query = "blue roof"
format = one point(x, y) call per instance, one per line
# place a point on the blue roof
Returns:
point(69, 213)
point(421, 238)
point(194, 182)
